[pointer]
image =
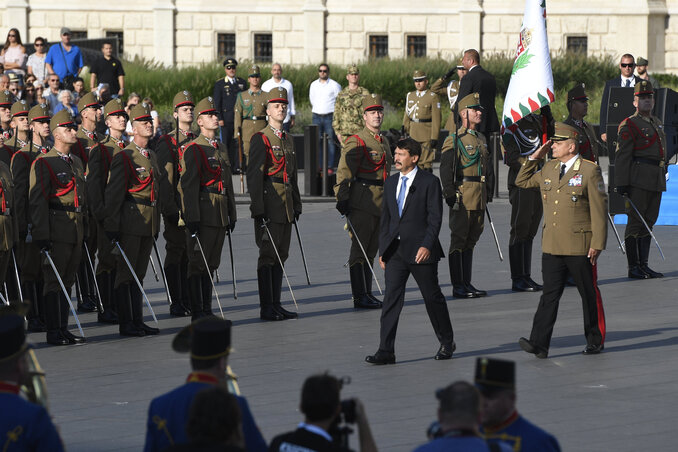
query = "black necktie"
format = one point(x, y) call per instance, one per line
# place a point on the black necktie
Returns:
point(628, 83)
point(562, 171)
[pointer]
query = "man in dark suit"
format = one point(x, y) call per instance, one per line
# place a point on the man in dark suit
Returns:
point(625, 80)
point(478, 80)
point(408, 243)
point(225, 94)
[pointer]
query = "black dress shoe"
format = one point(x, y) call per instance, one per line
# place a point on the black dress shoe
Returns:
point(445, 352)
point(268, 313)
point(381, 357)
point(285, 313)
point(365, 302)
point(477, 292)
point(529, 347)
point(636, 272)
point(462, 292)
point(593, 349)
point(533, 283)
point(651, 273)
point(148, 330)
point(108, 316)
point(72, 338)
point(87, 305)
point(178, 310)
point(130, 329)
point(56, 338)
point(521, 285)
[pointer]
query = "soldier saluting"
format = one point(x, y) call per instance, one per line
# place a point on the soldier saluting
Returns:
point(208, 203)
point(422, 119)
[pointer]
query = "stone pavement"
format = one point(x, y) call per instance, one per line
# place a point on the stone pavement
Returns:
point(623, 399)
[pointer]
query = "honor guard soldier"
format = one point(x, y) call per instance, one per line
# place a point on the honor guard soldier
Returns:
point(98, 169)
point(6, 101)
point(276, 203)
point(451, 90)
point(348, 107)
point(640, 176)
point(422, 119)
point(23, 425)
point(28, 254)
point(574, 235)
point(8, 229)
point(169, 149)
point(57, 210)
point(208, 205)
point(364, 165)
point(524, 138)
point(467, 177)
point(133, 218)
point(250, 111)
point(225, 94)
point(208, 340)
point(578, 106)
point(19, 126)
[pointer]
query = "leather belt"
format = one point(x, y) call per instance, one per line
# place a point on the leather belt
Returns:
point(420, 120)
point(323, 114)
point(474, 179)
point(65, 208)
point(660, 163)
point(277, 180)
point(142, 201)
point(256, 118)
point(377, 182)
point(213, 190)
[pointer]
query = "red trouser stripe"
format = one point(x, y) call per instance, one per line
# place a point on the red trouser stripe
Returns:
point(599, 304)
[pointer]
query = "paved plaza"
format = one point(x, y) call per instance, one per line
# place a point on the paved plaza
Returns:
point(622, 400)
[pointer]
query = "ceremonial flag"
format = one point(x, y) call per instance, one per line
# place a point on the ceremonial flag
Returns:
point(531, 84)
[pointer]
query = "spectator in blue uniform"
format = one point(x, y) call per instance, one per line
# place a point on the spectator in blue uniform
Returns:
point(209, 342)
point(23, 425)
point(496, 381)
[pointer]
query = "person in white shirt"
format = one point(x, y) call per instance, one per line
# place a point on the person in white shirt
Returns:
point(322, 95)
point(279, 81)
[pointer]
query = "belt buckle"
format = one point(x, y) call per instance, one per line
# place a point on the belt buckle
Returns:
point(222, 191)
point(153, 203)
point(482, 178)
point(6, 212)
point(662, 163)
point(78, 209)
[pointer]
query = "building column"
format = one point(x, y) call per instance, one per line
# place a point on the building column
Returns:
point(164, 32)
point(17, 17)
point(470, 24)
point(314, 31)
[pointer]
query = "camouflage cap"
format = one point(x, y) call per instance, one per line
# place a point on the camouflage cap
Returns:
point(641, 62)
point(470, 101)
point(254, 71)
point(114, 107)
point(564, 132)
point(278, 95)
point(6, 99)
point(230, 62)
point(372, 102)
point(87, 101)
point(205, 106)
point(643, 88)
point(19, 108)
point(418, 75)
point(62, 118)
point(182, 98)
point(353, 69)
point(140, 112)
point(577, 93)
point(38, 113)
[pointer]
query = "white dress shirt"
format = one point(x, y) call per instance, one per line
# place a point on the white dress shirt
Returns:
point(410, 178)
point(271, 83)
point(570, 162)
point(323, 96)
point(624, 79)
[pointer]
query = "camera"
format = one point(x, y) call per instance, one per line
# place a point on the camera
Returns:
point(348, 411)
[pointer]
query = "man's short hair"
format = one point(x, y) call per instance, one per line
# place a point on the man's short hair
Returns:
point(627, 55)
point(459, 401)
point(78, 79)
point(106, 43)
point(410, 145)
point(473, 54)
point(214, 416)
point(320, 397)
point(324, 65)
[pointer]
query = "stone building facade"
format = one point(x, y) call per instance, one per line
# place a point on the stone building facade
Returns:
point(185, 32)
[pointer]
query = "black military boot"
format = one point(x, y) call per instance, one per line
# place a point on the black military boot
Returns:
point(88, 303)
point(632, 258)
point(183, 275)
point(467, 263)
point(30, 291)
point(64, 309)
point(644, 244)
point(367, 266)
point(519, 284)
point(276, 286)
point(105, 282)
point(206, 295)
point(53, 319)
point(459, 289)
point(123, 299)
point(265, 282)
point(527, 265)
point(173, 280)
point(195, 295)
point(359, 289)
point(138, 311)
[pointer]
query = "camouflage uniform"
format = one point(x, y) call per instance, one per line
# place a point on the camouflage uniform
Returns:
point(348, 112)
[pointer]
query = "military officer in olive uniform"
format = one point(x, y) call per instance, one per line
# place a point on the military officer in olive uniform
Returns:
point(6, 132)
point(451, 90)
point(225, 94)
point(58, 212)
point(640, 174)
point(467, 177)
point(98, 169)
point(8, 226)
point(19, 125)
point(348, 107)
point(132, 218)
point(208, 205)
point(27, 253)
point(422, 119)
point(577, 106)
point(276, 203)
point(364, 165)
point(574, 235)
point(169, 149)
point(250, 111)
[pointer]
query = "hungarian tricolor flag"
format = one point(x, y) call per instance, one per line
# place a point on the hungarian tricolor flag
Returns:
point(531, 84)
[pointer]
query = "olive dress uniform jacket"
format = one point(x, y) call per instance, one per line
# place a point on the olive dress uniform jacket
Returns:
point(589, 147)
point(13, 145)
point(641, 152)
point(364, 165)
point(451, 91)
point(575, 207)
point(250, 115)
point(98, 168)
point(21, 172)
point(8, 216)
point(422, 116)
point(169, 153)
point(272, 176)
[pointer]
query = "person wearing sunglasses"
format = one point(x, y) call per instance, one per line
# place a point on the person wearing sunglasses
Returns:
point(36, 61)
point(14, 53)
point(626, 79)
point(225, 94)
point(323, 95)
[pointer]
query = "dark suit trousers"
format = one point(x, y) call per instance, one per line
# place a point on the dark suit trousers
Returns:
point(227, 134)
point(554, 271)
point(398, 271)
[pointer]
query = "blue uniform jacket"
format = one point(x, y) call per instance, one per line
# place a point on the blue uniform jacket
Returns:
point(168, 414)
point(522, 436)
point(461, 443)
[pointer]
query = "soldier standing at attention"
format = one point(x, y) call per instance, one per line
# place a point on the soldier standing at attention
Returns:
point(574, 235)
point(250, 110)
point(348, 111)
point(6, 100)
point(640, 174)
point(208, 205)
point(8, 230)
point(169, 149)
point(57, 210)
point(467, 177)
point(364, 165)
point(28, 254)
point(578, 106)
point(450, 89)
point(422, 119)
point(276, 203)
point(19, 126)
point(225, 93)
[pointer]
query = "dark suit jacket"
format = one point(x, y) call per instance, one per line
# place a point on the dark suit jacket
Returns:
point(225, 95)
point(480, 81)
point(605, 100)
point(420, 224)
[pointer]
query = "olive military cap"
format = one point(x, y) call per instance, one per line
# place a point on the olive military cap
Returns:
point(140, 112)
point(470, 101)
point(564, 132)
point(19, 108)
point(372, 102)
point(205, 106)
point(577, 93)
point(641, 62)
point(182, 98)
point(62, 118)
point(39, 113)
point(6, 99)
point(254, 71)
point(87, 101)
point(114, 107)
point(418, 75)
point(278, 95)
point(643, 88)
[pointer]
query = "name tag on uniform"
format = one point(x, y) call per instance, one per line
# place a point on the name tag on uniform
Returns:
point(575, 181)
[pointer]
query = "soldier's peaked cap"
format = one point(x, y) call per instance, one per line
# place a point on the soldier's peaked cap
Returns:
point(278, 95)
point(182, 98)
point(470, 101)
point(62, 118)
point(20, 108)
point(642, 88)
point(419, 75)
point(39, 112)
point(205, 106)
point(372, 102)
point(564, 132)
point(88, 100)
point(140, 112)
point(577, 93)
point(6, 99)
point(114, 107)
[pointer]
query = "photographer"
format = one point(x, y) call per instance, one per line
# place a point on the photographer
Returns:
point(323, 410)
